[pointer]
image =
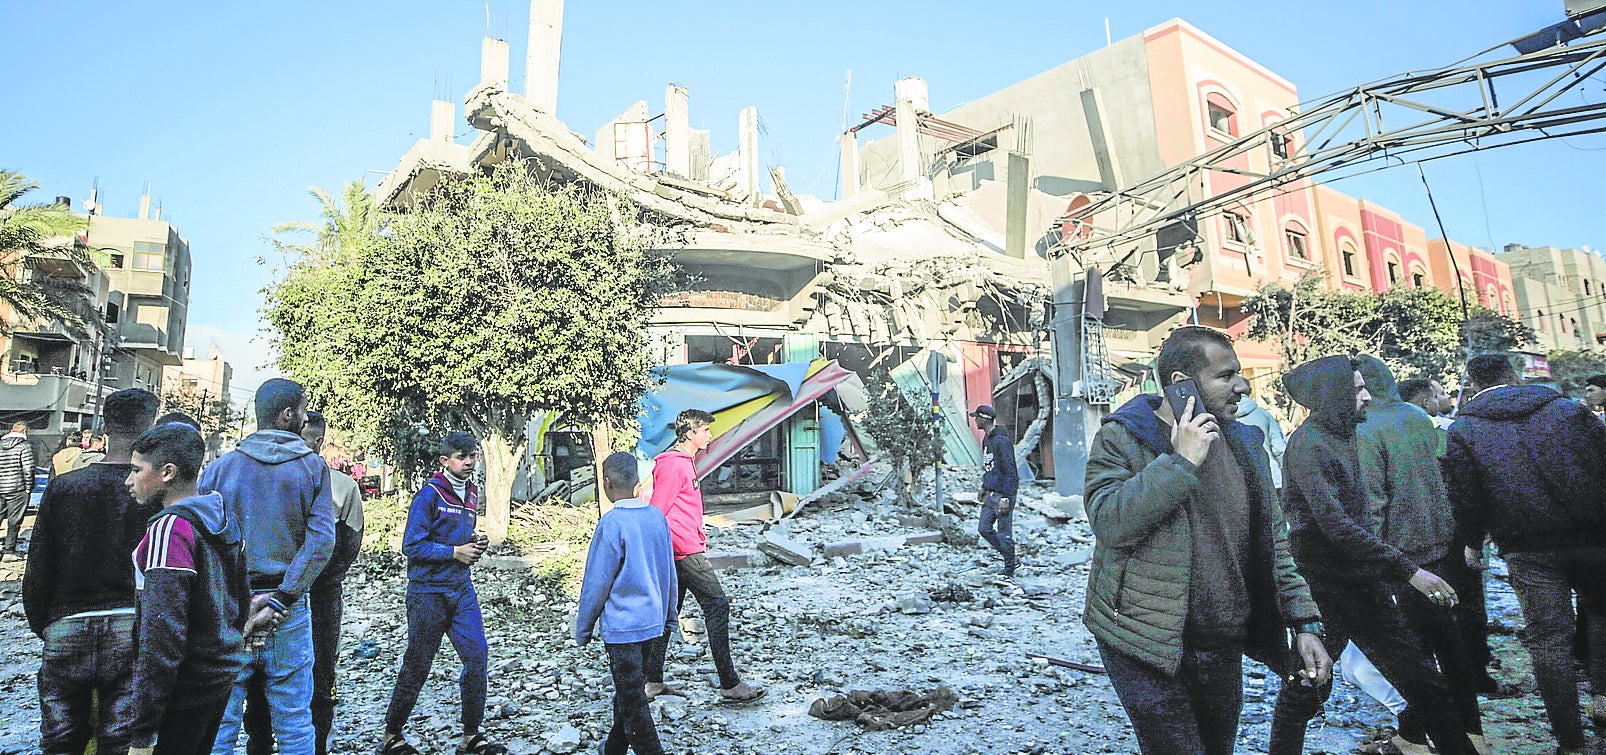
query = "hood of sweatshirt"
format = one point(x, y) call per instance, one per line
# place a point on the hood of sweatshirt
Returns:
point(1139, 418)
point(1326, 387)
point(208, 509)
point(12, 440)
point(1246, 406)
point(1510, 402)
point(674, 453)
point(274, 446)
point(1379, 381)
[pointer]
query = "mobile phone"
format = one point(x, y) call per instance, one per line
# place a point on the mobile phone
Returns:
point(1178, 393)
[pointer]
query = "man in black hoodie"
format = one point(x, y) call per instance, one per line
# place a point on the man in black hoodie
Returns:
point(1353, 574)
point(1525, 466)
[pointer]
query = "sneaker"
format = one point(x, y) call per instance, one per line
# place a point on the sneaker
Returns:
point(1597, 710)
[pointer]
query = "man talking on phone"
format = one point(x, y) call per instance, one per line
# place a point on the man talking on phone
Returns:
point(1191, 570)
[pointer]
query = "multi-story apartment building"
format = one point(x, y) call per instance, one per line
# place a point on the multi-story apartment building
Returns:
point(1131, 110)
point(1561, 294)
point(204, 383)
point(142, 288)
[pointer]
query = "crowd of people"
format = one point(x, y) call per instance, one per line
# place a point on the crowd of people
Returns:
point(1362, 536)
point(1368, 544)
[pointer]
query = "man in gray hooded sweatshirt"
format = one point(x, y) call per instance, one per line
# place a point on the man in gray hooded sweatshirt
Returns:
point(279, 489)
point(1408, 506)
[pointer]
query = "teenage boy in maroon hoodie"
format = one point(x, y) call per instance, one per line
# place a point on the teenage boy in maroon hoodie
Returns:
point(675, 492)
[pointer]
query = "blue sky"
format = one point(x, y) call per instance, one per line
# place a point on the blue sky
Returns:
point(232, 110)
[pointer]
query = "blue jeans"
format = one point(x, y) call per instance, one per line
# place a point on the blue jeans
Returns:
point(1545, 582)
point(84, 656)
point(285, 663)
point(431, 616)
point(1192, 713)
point(997, 529)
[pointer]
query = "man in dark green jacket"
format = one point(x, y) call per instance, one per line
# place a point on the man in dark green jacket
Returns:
point(1408, 506)
point(1191, 570)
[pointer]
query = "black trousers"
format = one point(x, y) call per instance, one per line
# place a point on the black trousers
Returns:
point(190, 725)
point(633, 728)
point(328, 607)
point(1441, 637)
point(1369, 615)
point(1195, 711)
point(697, 575)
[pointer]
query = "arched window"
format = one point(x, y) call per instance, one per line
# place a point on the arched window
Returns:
point(1586, 287)
point(1220, 114)
point(1392, 260)
point(1294, 241)
point(1539, 320)
point(1347, 256)
point(1419, 277)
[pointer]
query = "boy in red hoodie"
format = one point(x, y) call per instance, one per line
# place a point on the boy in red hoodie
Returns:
point(676, 493)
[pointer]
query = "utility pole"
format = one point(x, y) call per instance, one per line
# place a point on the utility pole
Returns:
point(937, 370)
point(1080, 368)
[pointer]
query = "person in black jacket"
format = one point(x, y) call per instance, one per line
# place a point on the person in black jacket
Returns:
point(78, 590)
point(1354, 575)
point(193, 600)
point(1525, 467)
point(1000, 483)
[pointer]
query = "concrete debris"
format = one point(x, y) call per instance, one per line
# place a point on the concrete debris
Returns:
point(915, 605)
point(805, 632)
point(786, 549)
point(565, 740)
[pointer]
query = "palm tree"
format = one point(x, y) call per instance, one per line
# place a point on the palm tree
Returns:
point(344, 229)
point(32, 235)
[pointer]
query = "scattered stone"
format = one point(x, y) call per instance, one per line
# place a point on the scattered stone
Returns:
point(786, 549)
point(565, 740)
point(915, 605)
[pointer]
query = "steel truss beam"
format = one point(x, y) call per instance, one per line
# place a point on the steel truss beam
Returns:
point(1367, 128)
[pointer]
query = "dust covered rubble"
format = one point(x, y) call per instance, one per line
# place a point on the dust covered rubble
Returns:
point(891, 619)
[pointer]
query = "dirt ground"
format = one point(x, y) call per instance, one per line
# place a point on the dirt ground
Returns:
point(852, 622)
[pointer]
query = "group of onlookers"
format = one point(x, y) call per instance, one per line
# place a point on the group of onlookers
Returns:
point(164, 595)
point(1370, 547)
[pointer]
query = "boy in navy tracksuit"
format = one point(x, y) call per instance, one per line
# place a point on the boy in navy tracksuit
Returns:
point(441, 545)
point(630, 584)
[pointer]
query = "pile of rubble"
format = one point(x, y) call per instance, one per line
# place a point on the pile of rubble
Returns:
point(901, 612)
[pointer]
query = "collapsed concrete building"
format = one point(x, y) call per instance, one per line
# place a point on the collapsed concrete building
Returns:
point(901, 272)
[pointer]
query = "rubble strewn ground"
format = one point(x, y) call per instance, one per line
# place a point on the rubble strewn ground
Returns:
point(891, 619)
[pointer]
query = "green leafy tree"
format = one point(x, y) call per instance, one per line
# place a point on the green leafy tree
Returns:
point(1571, 368)
point(1417, 331)
point(902, 426)
point(497, 296)
point(32, 236)
point(215, 412)
point(313, 311)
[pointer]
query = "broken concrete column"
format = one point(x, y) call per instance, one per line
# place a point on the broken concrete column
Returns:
point(677, 125)
point(493, 62)
point(909, 167)
point(748, 130)
point(850, 164)
point(1017, 192)
point(441, 116)
point(626, 138)
point(700, 147)
point(541, 57)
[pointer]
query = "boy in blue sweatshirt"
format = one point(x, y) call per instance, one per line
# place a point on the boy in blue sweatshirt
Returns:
point(441, 545)
point(630, 585)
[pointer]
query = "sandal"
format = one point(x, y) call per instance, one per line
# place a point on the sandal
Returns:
point(741, 694)
point(479, 745)
point(398, 746)
point(667, 690)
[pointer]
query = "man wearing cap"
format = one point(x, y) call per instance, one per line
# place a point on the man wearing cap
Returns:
point(1000, 480)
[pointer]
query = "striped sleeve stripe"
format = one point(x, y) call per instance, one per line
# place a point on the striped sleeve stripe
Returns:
point(168, 542)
